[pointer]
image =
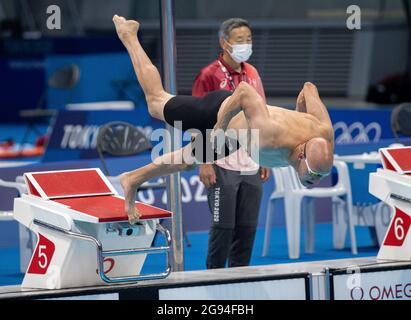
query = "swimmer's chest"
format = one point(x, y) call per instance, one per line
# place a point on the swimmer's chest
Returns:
point(272, 158)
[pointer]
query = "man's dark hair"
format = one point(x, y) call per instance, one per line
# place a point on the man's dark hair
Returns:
point(231, 24)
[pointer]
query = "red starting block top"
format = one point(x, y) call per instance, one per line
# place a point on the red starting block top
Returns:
point(110, 208)
point(87, 191)
point(397, 159)
point(68, 183)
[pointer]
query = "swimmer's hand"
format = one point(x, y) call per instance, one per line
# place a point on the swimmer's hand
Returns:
point(217, 138)
point(126, 29)
point(300, 104)
point(130, 196)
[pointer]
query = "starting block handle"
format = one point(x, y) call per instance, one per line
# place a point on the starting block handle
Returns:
point(101, 254)
point(152, 276)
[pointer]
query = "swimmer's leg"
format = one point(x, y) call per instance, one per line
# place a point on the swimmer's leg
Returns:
point(147, 74)
point(179, 160)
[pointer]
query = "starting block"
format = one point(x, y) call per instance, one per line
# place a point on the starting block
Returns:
point(392, 184)
point(83, 234)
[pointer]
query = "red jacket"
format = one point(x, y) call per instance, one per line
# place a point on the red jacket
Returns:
point(213, 77)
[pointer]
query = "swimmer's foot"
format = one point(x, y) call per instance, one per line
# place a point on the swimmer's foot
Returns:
point(126, 29)
point(130, 188)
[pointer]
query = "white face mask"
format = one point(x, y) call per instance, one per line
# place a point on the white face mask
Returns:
point(241, 52)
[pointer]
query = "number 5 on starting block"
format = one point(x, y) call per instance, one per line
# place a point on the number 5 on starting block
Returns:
point(42, 256)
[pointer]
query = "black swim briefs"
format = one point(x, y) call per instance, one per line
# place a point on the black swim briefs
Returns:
point(199, 113)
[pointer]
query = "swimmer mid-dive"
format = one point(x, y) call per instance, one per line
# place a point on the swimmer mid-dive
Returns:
point(302, 138)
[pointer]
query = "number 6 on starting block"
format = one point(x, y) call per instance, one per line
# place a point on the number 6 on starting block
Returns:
point(397, 243)
point(392, 184)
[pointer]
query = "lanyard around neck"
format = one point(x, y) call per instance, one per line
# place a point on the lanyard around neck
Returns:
point(229, 77)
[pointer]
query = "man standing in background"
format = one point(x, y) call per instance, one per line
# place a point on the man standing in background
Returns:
point(234, 183)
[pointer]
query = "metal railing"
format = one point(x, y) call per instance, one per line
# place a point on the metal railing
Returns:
point(101, 254)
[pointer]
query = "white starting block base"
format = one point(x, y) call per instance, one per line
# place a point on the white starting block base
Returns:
point(317, 280)
point(392, 184)
point(82, 231)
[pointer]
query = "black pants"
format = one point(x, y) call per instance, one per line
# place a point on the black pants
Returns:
point(234, 202)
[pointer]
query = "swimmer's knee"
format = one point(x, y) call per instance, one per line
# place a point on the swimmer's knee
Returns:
point(152, 108)
point(156, 103)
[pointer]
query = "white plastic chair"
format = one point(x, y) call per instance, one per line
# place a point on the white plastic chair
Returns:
point(367, 211)
point(27, 240)
point(21, 188)
point(6, 216)
point(277, 194)
point(295, 195)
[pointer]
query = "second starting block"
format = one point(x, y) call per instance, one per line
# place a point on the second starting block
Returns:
point(392, 184)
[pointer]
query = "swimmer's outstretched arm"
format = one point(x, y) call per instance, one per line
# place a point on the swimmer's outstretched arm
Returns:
point(313, 104)
point(179, 160)
point(309, 101)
